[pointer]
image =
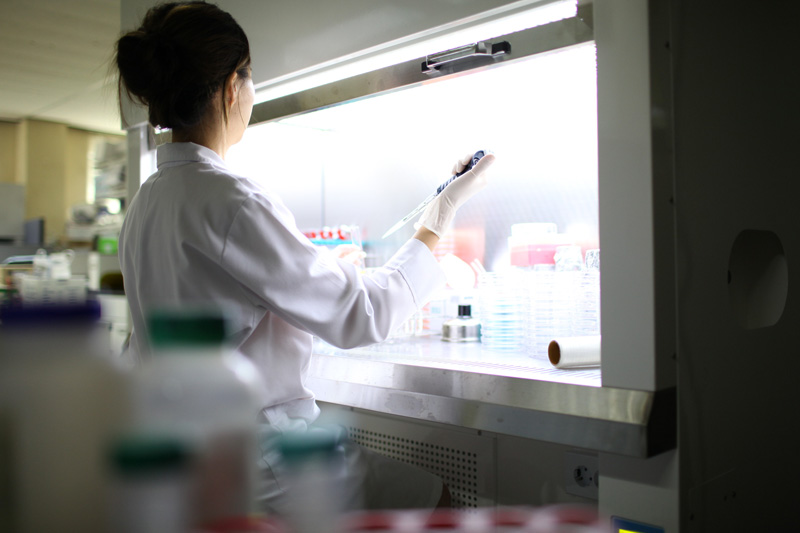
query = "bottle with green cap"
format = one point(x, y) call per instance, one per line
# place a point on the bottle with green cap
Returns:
point(151, 489)
point(198, 389)
point(313, 460)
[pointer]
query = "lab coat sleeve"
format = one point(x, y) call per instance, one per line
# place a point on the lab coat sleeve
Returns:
point(306, 285)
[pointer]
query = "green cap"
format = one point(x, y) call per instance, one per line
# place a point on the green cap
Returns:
point(299, 446)
point(145, 454)
point(199, 327)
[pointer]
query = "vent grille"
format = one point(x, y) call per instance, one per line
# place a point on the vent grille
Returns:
point(459, 467)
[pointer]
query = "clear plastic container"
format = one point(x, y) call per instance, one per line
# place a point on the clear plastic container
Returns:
point(501, 310)
point(564, 302)
point(553, 300)
point(586, 314)
point(540, 326)
point(35, 290)
point(568, 258)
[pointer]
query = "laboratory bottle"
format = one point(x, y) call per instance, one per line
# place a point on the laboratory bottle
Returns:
point(196, 388)
point(313, 460)
point(150, 485)
point(462, 328)
point(61, 403)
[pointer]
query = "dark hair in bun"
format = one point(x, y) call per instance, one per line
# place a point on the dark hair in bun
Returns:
point(178, 59)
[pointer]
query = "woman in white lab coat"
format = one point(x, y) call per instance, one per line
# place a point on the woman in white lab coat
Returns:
point(196, 234)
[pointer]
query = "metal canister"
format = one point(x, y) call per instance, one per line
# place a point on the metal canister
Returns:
point(463, 328)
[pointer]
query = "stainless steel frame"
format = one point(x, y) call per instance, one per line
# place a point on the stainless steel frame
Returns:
point(525, 43)
point(621, 421)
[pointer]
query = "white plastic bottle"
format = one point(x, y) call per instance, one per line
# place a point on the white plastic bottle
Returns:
point(197, 389)
point(61, 403)
point(151, 485)
point(312, 460)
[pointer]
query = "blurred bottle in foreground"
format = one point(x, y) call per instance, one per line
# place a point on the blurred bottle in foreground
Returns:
point(151, 490)
point(61, 401)
point(198, 391)
point(313, 461)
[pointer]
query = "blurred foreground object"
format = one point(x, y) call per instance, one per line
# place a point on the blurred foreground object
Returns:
point(566, 518)
point(151, 490)
point(202, 395)
point(547, 519)
point(61, 401)
point(313, 459)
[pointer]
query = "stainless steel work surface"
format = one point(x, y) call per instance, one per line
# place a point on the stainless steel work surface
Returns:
point(468, 386)
point(431, 351)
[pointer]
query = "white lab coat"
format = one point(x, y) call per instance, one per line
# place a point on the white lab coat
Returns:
point(196, 234)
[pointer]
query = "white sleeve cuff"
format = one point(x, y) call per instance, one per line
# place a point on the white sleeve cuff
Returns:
point(420, 269)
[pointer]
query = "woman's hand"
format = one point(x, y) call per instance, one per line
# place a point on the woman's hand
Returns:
point(350, 253)
point(440, 212)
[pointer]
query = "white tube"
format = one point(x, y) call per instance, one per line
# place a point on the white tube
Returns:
point(569, 352)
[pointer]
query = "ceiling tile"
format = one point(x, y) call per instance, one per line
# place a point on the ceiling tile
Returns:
point(54, 61)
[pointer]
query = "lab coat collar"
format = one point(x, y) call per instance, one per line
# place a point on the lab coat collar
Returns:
point(176, 153)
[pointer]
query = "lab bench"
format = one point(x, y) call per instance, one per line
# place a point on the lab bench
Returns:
point(469, 386)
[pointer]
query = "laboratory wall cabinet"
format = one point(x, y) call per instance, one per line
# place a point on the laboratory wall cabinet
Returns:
point(659, 132)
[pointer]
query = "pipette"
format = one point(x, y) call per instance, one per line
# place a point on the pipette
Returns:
point(402, 222)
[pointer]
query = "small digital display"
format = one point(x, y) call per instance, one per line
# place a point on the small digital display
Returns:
point(623, 525)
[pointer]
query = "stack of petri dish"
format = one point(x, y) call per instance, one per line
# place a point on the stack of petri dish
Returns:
point(540, 325)
point(554, 300)
point(501, 310)
point(587, 301)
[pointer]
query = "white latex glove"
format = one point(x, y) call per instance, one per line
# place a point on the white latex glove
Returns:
point(439, 213)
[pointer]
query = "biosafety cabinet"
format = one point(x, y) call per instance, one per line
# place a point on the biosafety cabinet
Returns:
point(658, 133)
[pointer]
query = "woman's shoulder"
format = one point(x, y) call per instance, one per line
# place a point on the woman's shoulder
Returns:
point(219, 183)
point(244, 198)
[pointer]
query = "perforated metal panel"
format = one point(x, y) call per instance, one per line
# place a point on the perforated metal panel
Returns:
point(464, 459)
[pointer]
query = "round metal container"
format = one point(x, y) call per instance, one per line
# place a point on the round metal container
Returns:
point(461, 330)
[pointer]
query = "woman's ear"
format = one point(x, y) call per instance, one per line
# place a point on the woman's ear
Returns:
point(231, 90)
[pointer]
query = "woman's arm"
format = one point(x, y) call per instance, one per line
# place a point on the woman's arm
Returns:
point(427, 237)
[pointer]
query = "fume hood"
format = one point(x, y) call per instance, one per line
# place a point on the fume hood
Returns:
point(360, 148)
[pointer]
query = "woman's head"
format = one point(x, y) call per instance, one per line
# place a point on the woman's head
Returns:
point(180, 61)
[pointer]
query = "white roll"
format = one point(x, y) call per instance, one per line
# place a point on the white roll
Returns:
point(569, 352)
